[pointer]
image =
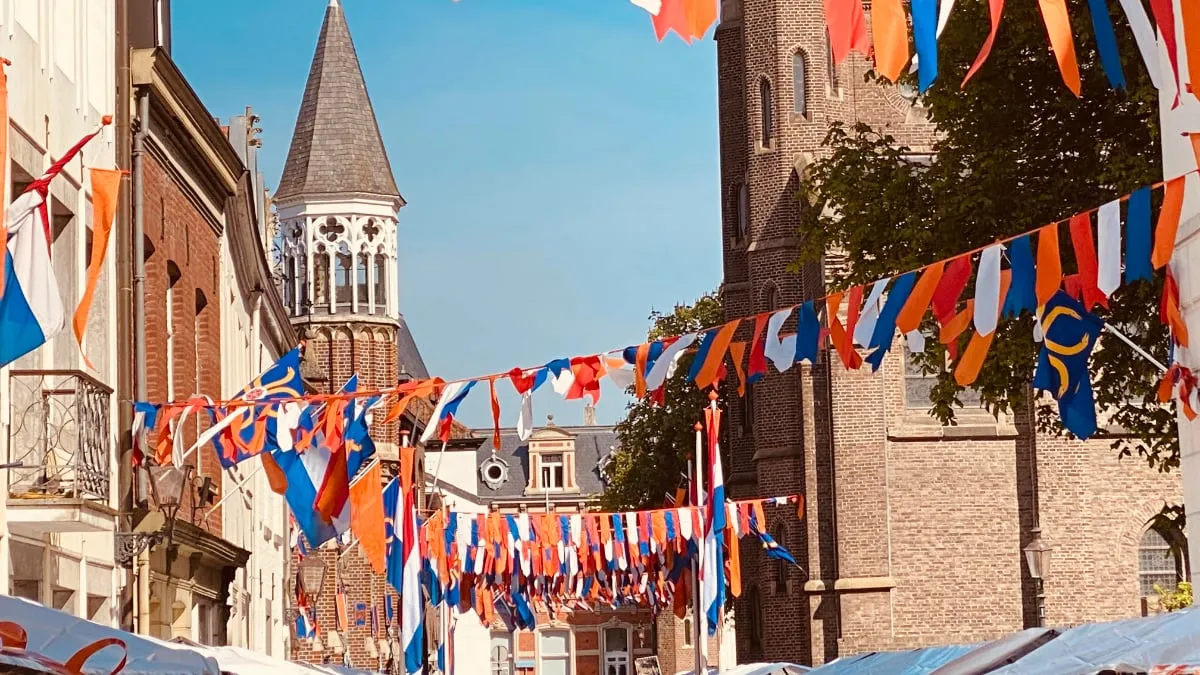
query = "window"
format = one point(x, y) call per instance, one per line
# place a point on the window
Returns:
point(360, 276)
point(289, 282)
point(747, 410)
point(755, 618)
point(204, 631)
point(501, 654)
point(919, 385)
point(799, 85)
point(552, 471)
point(381, 283)
point(688, 629)
point(1159, 564)
point(781, 570)
point(834, 84)
point(616, 651)
point(767, 121)
point(554, 652)
point(321, 278)
point(173, 276)
point(743, 211)
point(345, 280)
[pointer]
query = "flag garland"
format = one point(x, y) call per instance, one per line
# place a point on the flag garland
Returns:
point(901, 302)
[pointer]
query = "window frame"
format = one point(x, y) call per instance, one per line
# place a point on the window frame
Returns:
point(800, 84)
point(1170, 555)
point(495, 667)
point(547, 468)
point(566, 657)
point(766, 112)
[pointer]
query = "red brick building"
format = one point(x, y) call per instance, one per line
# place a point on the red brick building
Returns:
point(914, 532)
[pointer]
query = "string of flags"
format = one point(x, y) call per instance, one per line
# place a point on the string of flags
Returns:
point(1118, 243)
point(889, 39)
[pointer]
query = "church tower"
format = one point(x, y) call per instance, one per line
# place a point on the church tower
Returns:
point(336, 207)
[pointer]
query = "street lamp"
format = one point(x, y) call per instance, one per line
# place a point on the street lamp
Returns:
point(1037, 556)
point(312, 576)
point(168, 485)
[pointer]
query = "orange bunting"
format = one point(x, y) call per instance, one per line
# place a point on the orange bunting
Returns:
point(839, 336)
point(701, 15)
point(1168, 222)
point(891, 37)
point(105, 185)
point(1191, 39)
point(1049, 263)
point(995, 10)
point(737, 352)
point(1169, 312)
point(495, 413)
point(422, 389)
point(1058, 27)
point(716, 354)
point(735, 564)
point(672, 15)
point(971, 363)
point(366, 516)
point(918, 301)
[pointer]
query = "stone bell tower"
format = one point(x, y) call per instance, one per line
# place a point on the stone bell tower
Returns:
point(336, 207)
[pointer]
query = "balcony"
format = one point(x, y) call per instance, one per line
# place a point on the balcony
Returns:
point(60, 439)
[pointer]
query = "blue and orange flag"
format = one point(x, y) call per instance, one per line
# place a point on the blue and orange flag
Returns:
point(252, 429)
point(1069, 333)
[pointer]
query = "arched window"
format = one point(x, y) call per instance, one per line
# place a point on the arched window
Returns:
point(771, 297)
point(747, 410)
point(289, 282)
point(1159, 563)
point(360, 275)
point(834, 84)
point(345, 278)
point(743, 211)
point(381, 284)
point(781, 567)
point(767, 122)
point(799, 84)
point(321, 278)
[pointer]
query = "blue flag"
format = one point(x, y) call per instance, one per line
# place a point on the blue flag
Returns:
point(391, 517)
point(255, 427)
point(1069, 333)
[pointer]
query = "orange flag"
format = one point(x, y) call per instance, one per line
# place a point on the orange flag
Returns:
point(1049, 263)
point(735, 564)
point(1191, 38)
point(1168, 223)
point(366, 516)
point(672, 15)
point(495, 413)
point(106, 183)
point(716, 354)
point(977, 349)
point(701, 14)
point(410, 391)
point(918, 301)
point(995, 9)
point(737, 352)
point(1058, 26)
point(1195, 136)
point(838, 335)
point(891, 37)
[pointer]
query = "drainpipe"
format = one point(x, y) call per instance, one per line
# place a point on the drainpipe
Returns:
point(124, 268)
point(139, 325)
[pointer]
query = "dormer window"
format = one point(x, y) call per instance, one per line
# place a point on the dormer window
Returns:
point(552, 471)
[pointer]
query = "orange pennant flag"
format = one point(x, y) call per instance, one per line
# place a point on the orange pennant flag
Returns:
point(1195, 137)
point(410, 391)
point(737, 352)
point(3, 183)
point(955, 326)
point(735, 564)
point(1168, 223)
point(1190, 14)
point(716, 354)
point(701, 14)
point(672, 15)
point(918, 301)
point(106, 183)
point(977, 349)
point(1049, 263)
point(838, 335)
point(366, 516)
point(890, 26)
point(495, 413)
point(1058, 26)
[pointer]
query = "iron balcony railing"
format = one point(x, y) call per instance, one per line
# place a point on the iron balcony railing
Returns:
point(59, 435)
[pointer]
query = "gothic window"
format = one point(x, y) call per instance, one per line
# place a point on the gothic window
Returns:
point(289, 282)
point(321, 279)
point(781, 570)
point(1159, 563)
point(799, 84)
point(747, 409)
point(772, 297)
point(345, 278)
point(381, 282)
point(360, 274)
point(767, 121)
point(743, 211)
point(834, 84)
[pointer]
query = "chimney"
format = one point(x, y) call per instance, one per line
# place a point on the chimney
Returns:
point(589, 415)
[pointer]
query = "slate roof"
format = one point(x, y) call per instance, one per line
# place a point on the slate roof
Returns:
point(408, 356)
point(336, 147)
point(591, 444)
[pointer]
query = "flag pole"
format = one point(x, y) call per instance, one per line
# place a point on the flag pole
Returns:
point(698, 628)
point(712, 398)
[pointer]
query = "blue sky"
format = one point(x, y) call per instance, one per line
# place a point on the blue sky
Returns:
point(560, 165)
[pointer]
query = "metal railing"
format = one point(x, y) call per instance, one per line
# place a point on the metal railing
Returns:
point(59, 435)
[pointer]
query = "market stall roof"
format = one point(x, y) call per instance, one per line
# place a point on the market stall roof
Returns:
point(1128, 646)
point(59, 636)
point(912, 662)
point(998, 653)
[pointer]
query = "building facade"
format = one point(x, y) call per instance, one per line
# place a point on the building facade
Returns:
point(914, 531)
point(57, 416)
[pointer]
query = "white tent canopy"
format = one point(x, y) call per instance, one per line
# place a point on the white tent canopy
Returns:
point(59, 636)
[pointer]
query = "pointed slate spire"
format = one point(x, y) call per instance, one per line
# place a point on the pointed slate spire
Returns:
point(336, 147)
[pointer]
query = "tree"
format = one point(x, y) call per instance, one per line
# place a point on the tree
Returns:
point(657, 441)
point(1015, 150)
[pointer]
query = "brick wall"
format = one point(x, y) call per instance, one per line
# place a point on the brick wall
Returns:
point(913, 533)
point(179, 236)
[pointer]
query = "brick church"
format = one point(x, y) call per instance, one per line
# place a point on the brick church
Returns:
point(914, 531)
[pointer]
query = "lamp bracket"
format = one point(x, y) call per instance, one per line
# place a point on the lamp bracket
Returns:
point(129, 545)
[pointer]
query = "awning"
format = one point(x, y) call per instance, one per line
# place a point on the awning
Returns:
point(59, 636)
point(912, 662)
point(998, 653)
point(1129, 646)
